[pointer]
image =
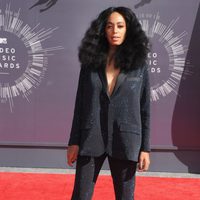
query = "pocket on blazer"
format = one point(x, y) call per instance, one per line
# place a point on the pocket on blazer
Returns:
point(126, 127)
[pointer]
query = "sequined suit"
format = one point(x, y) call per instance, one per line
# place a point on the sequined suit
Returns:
point(117, 124)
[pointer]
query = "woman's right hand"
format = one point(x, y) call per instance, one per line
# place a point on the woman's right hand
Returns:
point(72, 153)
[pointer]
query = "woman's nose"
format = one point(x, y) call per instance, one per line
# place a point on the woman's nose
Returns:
point(115, 29)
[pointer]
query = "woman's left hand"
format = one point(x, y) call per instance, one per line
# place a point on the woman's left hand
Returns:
point(144, 161)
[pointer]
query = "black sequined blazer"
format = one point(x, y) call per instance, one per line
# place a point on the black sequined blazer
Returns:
point(117, 124)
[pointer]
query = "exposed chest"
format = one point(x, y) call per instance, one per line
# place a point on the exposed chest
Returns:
point(111, 77)
point(111, 82)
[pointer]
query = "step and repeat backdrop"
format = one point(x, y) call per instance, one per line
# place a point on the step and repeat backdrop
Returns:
point(39, 68)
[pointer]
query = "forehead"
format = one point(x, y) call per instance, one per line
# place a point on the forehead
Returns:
point(116, 17)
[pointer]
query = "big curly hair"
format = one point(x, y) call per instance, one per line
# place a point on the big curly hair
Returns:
point(131, 54)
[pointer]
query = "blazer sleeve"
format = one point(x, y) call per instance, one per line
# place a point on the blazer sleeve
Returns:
point(75, 129)
point(145, 111)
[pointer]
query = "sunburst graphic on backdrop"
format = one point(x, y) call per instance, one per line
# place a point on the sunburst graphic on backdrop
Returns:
point(166, 78)
point(36, 55)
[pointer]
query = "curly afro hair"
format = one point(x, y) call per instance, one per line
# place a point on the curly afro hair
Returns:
point(131, 54)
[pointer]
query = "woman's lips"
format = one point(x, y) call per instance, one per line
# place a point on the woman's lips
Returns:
point(115, 38)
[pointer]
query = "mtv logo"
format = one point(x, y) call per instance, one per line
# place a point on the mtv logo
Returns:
point(3, 40)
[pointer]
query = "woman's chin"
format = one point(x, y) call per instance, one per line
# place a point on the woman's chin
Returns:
point(115, 43)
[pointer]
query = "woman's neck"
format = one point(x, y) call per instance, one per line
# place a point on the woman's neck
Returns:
point(111, 54)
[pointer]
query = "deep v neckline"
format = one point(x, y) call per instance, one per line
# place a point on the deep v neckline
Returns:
point(114, 84)
point(120, 79)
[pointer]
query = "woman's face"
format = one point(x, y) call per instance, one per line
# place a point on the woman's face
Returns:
point(115, 29)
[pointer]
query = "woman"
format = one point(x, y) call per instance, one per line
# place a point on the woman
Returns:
point(111, 116)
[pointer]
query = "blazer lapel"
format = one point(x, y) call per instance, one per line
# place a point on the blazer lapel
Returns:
point(121, 77)
point(103, 80)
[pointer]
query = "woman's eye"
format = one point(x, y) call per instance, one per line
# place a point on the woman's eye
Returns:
point(109, 26)
point(120, 26)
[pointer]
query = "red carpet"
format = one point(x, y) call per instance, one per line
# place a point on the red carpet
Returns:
point(33, 186)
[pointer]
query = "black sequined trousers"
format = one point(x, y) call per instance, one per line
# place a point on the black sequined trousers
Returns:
point(88, 168)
